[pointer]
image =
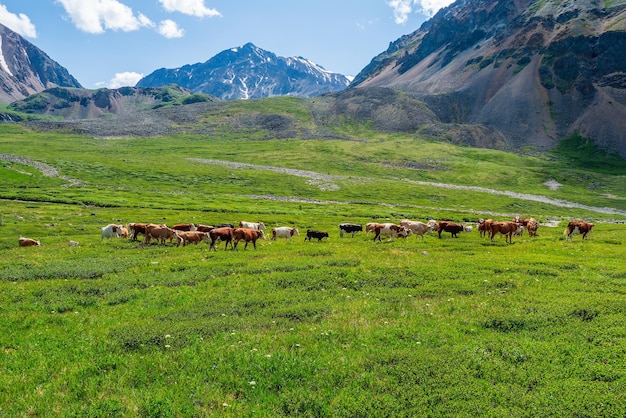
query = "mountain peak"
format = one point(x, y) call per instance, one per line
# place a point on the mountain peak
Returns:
point(248, 72)
point(25, 69)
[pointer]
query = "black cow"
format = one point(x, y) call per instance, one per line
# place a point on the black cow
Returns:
point(349, 228)
point(312, 233)
point(225, 226)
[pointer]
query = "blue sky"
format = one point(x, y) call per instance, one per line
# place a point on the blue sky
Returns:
point(112, 43)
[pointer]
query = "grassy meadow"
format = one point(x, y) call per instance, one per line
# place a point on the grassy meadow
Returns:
point(343, 327)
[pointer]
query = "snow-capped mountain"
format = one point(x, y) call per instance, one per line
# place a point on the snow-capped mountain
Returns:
point(250, 72)
point(25, 69)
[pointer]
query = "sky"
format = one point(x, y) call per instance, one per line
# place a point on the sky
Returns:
point(113, 43)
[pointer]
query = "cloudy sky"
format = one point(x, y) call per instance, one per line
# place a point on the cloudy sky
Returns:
point(113, 43)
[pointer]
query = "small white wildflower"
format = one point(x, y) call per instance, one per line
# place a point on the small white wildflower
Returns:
point(168, 346)
point(252, 383)
point(168, 336)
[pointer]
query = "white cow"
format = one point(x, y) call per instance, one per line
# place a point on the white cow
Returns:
point(259, 226)
point(111, 231)
point(284, 232)
point(418, 228)
point(390, 230)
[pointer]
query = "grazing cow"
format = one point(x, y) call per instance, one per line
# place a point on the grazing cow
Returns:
point(111, 231)
point(73, 243)
point(162, 233)
point(204, 228)
point(451, 227)
point(484, 227)
point(390, 230)
point(350, 229)
point(184, 227)
point(370, 227)
point(136, 229)
point(221, 234)
point(312, 233)
point(284, 232)
point(577, 227)
point(28, 242)
point(532, 226)
point(259, 226)
point(225, 226)
point(124, 232)
point(193, 237)
point(505, 228)
point(248, 235)
point(418, 228)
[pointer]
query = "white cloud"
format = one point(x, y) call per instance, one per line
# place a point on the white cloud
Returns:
point(403, 8)
point(189, 7)
point(96, 16)
point(170, 29)
point(19, 23)
point(128, 78)
point(430, 7)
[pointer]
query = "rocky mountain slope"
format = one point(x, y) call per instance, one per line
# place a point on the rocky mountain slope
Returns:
point(25, 69)
point(534, 71)
point(250, 72)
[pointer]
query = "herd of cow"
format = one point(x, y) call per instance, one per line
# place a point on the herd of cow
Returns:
point(185, 234)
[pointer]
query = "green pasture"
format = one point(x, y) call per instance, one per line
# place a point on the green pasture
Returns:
point(343, 327)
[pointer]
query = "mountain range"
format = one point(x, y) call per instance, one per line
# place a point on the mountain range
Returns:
point(507, 74)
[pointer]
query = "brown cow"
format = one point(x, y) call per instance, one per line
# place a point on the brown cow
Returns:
point(184, 227)
point(505, 228)
point(193, 237)
point(577, 227)
point(520, 220)
point(532, 226)
point(484, 227)
point(28, 242)
point(248, 235)
point(221, 234)
point(451, 227)
point(136, 229)
point(162, 233)
point(204, 228)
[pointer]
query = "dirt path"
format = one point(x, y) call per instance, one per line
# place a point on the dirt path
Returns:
point(326, 182)
point(46, 169)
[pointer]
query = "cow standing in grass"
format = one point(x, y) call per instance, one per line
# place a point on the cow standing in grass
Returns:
point(248, 235)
